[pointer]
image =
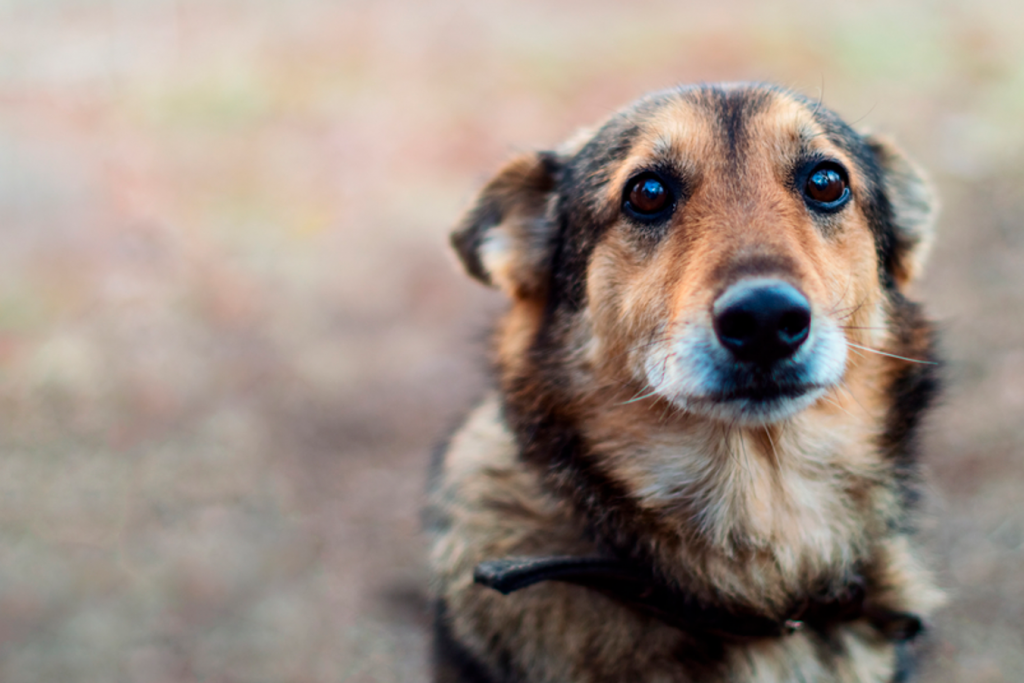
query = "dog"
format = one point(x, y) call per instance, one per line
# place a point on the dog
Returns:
point(698, 460)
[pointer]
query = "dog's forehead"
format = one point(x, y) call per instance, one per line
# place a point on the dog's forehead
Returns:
point(730, 122)
point(719, 123)
point(730, 125)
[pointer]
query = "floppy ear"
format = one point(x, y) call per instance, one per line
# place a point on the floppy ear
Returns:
point(913, 209)
point(505, 239)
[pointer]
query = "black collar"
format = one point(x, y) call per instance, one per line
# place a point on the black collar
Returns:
point(642, 591)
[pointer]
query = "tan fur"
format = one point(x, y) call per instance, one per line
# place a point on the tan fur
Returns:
point(752, 513)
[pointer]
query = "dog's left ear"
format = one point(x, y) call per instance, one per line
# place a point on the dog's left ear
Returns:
point(913, 209)
point(505, 240)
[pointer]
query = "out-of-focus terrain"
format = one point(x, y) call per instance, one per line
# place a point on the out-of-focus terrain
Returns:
point(230, 329)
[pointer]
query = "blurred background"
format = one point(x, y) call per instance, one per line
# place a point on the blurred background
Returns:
point(231, 330)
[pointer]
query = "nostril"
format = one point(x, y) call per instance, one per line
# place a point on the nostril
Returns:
point(794, 325)
point(738, 326)
point(762, 321)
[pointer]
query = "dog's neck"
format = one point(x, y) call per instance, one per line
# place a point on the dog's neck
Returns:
point(755, 515)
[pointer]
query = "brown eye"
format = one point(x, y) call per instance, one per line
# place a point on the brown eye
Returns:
point(648, 196)
point(827, 185)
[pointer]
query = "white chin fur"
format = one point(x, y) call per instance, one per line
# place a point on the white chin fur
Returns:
point(747, 412)
point(688, 371)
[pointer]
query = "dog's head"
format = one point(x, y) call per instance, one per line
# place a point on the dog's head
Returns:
point(731, 250)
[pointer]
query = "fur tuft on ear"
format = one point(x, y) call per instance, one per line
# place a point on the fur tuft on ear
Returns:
point(913, 208)
point(505, 239)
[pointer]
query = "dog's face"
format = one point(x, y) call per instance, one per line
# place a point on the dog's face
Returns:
point(729, 250)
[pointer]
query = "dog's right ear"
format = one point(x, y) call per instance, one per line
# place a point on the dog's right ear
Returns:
point(505, 240)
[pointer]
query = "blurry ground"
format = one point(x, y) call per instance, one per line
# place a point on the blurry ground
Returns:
point(230, 329)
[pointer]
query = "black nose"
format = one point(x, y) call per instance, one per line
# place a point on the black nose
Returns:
point(762, 321)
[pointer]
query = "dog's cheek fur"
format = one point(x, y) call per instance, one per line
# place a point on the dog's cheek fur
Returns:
point(625, 314)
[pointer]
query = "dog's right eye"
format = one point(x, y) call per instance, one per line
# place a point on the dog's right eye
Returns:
point(647, 197)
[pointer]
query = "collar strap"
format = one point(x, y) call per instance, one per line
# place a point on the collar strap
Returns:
point(638, 589)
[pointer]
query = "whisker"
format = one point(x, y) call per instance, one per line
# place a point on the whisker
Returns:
point(642, 346)
point(845, 388)
point(652, 392)
point(856, 121)
point(854, 312)
point(852, 309)
point(892, 355)
point(728, 441)
point(846, 288)
point(775, 453)
point(839, 405)
point(653, 388)
point(839, 309)
point(668, 410)
point(821, 97)
point(743, 447)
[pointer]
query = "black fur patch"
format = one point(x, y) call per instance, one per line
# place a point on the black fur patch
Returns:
point(733, 109)
point(913, 390)
point(581, 220)
point(452, 662)
point(550, 441)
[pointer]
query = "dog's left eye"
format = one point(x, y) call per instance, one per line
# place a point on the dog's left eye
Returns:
point(647, 196)
point(826, 187)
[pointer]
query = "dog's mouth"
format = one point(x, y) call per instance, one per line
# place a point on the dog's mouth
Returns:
point(758, 402)
point(698, 375)
point(750, 382)
point(765, 393)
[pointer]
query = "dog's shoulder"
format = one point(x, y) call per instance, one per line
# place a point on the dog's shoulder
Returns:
point(483, 495)
point(486, 503)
